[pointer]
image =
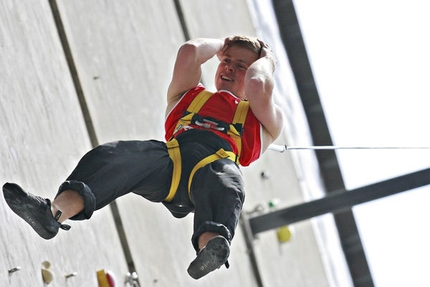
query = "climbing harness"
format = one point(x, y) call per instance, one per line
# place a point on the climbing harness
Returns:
point(175, 155)
point(191, 116)
point(220, 154)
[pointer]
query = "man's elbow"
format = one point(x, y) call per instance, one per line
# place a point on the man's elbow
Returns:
point(259, 86)
point(188, 51)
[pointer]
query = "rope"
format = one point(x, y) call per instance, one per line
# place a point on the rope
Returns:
point(283, 148)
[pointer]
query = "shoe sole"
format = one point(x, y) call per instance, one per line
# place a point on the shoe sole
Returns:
point(23, 204)
point(212, 257)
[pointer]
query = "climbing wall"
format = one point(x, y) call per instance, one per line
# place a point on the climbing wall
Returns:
point(43, 135)
point(123, 53)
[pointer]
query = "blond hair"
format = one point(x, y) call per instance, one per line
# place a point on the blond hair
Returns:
point(250, 43)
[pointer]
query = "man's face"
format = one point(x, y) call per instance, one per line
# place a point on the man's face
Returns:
point(231, 71)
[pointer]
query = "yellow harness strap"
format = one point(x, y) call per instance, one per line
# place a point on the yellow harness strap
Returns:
point(175, 155)
point(221, 153)
point(239, 118)
point(199, 101)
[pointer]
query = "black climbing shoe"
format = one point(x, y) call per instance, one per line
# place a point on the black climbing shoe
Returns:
point(210, 257)
point(34, 209)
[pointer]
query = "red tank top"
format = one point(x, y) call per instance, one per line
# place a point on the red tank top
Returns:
point(221, 106)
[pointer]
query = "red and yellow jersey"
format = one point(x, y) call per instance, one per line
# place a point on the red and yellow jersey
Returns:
point(221, 106)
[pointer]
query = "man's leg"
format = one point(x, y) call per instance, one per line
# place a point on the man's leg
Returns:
point(69, 203)
point(102, 175)
point(217, 191)
point(205, 237)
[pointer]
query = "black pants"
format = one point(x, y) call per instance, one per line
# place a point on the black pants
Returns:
point(145, 168)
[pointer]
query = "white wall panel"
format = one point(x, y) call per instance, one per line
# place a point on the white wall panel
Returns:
point(124, 54)
point(43, 135)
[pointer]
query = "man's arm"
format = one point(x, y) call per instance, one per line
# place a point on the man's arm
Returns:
point(259, 84)
point(187, 70)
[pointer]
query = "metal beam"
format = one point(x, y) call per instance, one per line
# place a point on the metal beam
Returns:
point(349, 236)
point(339, 201)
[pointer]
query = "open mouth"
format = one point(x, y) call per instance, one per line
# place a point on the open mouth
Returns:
point(226, 78)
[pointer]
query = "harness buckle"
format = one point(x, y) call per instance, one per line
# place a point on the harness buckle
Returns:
point(210, 123)
point(222, 153)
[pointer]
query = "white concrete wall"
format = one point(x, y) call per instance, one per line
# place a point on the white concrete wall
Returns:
point(124, 53)
point(42, 137)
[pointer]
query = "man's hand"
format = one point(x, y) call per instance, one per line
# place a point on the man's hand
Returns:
point(267, 52)
point(224, 48)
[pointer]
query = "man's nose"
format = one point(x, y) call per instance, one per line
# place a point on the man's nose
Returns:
point(229, 67)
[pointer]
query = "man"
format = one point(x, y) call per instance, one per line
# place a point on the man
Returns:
point(196, 170)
